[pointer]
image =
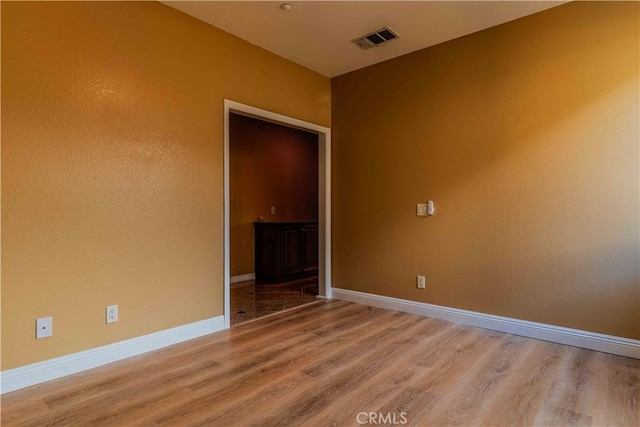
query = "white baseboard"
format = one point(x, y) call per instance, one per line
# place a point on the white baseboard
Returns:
point(243, 278)
point(36, 373)
point(574, 337)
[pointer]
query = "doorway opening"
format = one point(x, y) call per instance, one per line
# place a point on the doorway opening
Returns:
point(288, 233)
point(273, 217)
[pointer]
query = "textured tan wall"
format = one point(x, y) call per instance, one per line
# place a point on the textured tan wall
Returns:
point(269, 165)
point(526, 137)
point(112, 127)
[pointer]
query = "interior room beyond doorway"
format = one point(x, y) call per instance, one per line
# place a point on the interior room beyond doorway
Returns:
point(273, 189)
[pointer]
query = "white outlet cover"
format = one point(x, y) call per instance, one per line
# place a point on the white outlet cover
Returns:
point(111, 313)
point(44, 327)
point(421, 209)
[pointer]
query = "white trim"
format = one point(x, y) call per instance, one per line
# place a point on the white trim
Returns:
point(593, 341)
point(324, 276)
point(324, 193)
point(36, 373)
point(242, 278)
point(226, 263)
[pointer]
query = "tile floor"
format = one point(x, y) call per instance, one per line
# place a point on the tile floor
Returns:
point(253, 299)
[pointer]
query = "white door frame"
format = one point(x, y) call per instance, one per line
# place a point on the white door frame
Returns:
point(324, 194)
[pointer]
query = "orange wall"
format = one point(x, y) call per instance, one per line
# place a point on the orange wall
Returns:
point(112, 166)
point(526, 137)
point(269, 165)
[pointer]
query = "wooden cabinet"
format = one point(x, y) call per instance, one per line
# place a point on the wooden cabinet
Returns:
point(286, 250)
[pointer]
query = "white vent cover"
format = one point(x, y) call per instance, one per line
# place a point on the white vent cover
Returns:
point(376, 38)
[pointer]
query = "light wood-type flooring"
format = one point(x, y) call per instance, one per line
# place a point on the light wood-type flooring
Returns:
point(337, 363)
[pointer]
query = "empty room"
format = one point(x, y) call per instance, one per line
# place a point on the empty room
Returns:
point(310, 213)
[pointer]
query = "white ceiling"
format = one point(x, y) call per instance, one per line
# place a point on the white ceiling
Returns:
point(318, 34)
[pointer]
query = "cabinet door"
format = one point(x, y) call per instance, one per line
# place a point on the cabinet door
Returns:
point(291, 250)
point(310, 252)
point(267, 252)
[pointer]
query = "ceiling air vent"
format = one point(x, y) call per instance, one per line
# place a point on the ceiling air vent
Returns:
point(376, 38)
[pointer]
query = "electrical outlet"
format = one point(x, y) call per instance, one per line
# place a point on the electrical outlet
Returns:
point(421, 282)
point(44, 327)
point(112, 313)
point(273, 210)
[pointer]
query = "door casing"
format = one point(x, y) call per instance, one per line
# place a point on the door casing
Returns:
point(324, 194)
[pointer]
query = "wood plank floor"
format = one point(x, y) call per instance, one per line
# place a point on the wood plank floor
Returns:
point(338, 363)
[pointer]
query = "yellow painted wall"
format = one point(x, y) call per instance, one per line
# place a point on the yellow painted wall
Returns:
point(112, 127)
point(526, 137)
